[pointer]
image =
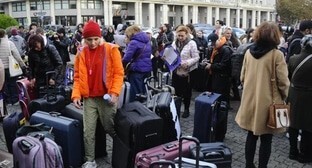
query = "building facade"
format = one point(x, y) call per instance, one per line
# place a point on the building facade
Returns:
point(147, 13)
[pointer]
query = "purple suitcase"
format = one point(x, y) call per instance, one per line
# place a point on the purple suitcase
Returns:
point(67, 134)
point(168, 151)
point(31, 152)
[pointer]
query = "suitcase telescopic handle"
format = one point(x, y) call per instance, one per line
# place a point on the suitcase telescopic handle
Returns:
point(197, 149)
point(156, 164)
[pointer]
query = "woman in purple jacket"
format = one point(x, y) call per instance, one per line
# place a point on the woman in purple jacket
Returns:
point(138, 52)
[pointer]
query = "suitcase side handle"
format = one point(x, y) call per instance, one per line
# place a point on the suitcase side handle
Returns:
point(25, 146)
point(207, 93)
point(197, 149)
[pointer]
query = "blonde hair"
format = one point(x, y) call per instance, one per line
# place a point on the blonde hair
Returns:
point(132, 30)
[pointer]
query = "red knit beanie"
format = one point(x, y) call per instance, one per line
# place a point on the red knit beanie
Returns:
point(91, 29)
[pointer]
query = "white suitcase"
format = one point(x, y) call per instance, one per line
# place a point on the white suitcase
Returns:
point(124, 95)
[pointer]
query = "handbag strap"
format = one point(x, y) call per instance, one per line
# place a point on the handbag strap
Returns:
point(10, 52)
point(135, 58)
point(299, 66)
point(273, 78)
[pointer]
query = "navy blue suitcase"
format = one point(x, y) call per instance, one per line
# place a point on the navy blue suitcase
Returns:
point(205, 117)
point(67, 134)
point(100, 135)
point(11, 123)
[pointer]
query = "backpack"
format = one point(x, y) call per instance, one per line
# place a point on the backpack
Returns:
point(290, 46)
point(237, 58)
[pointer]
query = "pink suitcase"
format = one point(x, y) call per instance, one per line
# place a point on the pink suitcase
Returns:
point(168, 151)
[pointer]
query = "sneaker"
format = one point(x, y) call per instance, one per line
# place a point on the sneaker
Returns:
point(89, 164)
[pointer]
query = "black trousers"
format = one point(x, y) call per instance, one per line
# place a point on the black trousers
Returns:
point(264, 151)
point(183, 89)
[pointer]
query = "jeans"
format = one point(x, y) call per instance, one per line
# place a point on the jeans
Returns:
point(264, 151)
point(136, 80)
point(10, 88)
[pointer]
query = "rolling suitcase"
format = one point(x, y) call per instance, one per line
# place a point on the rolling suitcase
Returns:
point(185, 162)
point(35, 152)
point(11, 124)
point(67, 134)
point(162, 163)
point(100, 142)
point(205, 117)
point(52, 102)
point(216, 153)
point(137, 128)
point(6, 159)
point(168, 151)
point(161, 105)
point(124, 95)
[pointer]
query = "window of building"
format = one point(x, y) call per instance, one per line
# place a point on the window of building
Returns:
point(21, 21)
point(38, 5)
point(91, 4)
point(66, 20)
point(65, 4)
point(18, 6)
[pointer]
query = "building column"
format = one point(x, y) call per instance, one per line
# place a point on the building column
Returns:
point(244, 26)
point(195, 14)
point(228, 17)
point(268, 16)
point(28, 13)
point(217, 13)
point(79, 17)
point(151, 15)
point(253, 21)
point(185, 14)
point(209, 15)
point(138, 12)
point(259, 18)
point(108, 12)
point(52, 12)
point(238, 18)
point(164, 14)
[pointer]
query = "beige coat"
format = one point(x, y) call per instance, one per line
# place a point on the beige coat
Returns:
point(257, 91)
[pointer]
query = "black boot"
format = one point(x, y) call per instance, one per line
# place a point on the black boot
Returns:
point(186, 113)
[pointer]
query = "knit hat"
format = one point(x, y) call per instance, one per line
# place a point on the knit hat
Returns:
point(91, 29)
point(306, 24)
point(14, 31)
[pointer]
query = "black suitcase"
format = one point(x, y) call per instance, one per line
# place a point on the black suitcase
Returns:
point(186, 162)
point(67, 134)
point(137, 128)
point(100, 142)
point(205, 117)
point(161, 106)
point(51, 102)
point(216, 153)
point(11, 123)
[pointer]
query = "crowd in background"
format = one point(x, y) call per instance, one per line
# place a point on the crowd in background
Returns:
point(208, 60)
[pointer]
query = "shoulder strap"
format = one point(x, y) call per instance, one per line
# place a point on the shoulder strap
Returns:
point(299, 65)
point(273, 76)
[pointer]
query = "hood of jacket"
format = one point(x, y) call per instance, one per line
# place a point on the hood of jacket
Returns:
point(259, 50)
point(140, 36)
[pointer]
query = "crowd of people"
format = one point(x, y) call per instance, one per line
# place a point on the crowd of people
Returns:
point(100, 67)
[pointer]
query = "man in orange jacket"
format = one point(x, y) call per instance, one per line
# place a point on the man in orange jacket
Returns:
point(98, 71)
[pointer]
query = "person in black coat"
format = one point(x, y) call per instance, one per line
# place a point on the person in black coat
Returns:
point(61, 43)
point(43, 59)
point(109, 36)
point(155, 53)
point(294, 47)
point(300, 98)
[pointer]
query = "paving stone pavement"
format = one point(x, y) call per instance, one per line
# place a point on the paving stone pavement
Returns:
point(235, 139)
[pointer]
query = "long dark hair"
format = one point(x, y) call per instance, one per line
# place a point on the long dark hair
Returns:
point(33, 39)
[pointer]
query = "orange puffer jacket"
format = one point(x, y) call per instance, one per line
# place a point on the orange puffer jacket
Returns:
point(113, 78)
